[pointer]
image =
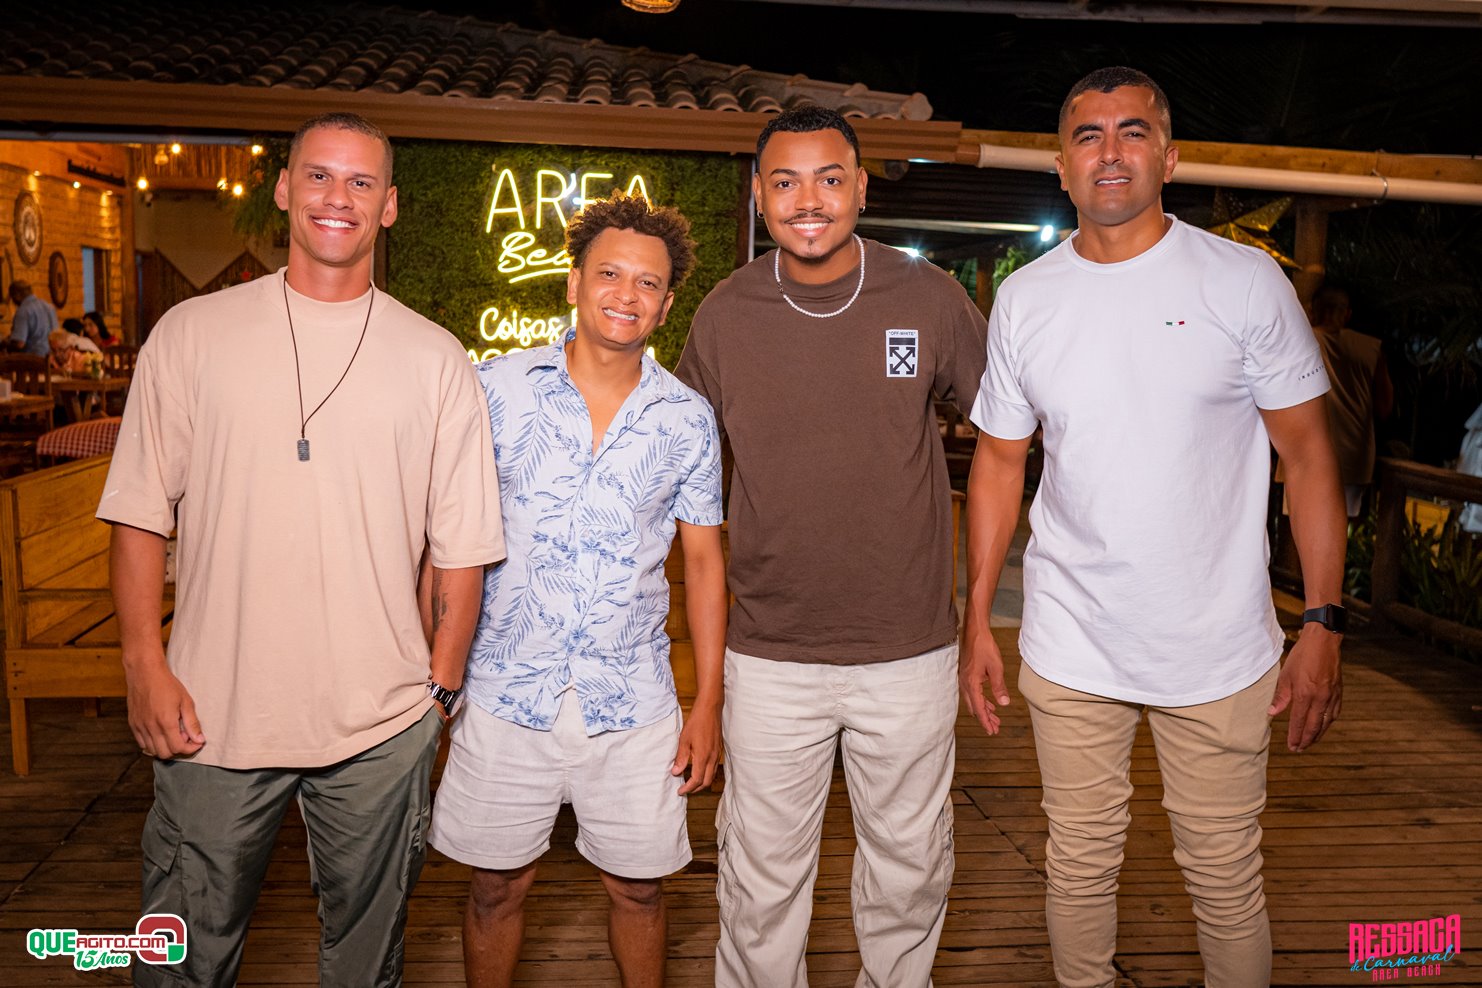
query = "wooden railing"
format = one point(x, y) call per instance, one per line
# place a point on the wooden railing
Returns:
point(1397, 480)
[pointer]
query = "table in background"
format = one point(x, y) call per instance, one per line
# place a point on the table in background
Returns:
point(19, 406)
point(79, 393)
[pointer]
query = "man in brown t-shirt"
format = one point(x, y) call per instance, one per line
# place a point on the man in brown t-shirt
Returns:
point(821, 359)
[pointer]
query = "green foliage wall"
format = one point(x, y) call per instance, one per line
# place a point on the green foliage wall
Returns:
point(442, 263)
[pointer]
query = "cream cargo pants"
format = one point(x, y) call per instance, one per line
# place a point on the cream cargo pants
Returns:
point(783, 722)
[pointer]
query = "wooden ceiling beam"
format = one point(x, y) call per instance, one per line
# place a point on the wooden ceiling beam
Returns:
point(71, 104)
point(1435, 168)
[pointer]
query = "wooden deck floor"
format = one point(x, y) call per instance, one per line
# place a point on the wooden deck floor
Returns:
point(1381, 822)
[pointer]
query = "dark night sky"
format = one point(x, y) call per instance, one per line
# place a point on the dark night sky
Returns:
point(1411, 268)
point(1358, 88)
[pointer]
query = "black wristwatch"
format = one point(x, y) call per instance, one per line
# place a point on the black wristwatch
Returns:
point(1331, 616)
point(444, 696)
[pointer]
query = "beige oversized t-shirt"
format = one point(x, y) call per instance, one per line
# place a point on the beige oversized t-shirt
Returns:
point(296, 628)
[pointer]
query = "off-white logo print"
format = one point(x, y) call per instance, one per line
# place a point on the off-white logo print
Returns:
point(900, 353)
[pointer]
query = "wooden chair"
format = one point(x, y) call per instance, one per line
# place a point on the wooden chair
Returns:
point(61, 634)
point(119, 361)
point(28, 374)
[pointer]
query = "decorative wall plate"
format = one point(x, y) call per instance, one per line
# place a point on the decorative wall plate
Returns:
point(56, 278)
point(27, 227)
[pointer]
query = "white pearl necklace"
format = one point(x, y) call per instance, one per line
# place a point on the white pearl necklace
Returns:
point(777, 274)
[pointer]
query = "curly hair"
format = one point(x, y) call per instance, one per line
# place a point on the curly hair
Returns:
point(625, 212)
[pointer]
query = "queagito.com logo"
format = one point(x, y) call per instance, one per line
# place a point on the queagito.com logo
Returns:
point(1404, 949)
point(158, 938)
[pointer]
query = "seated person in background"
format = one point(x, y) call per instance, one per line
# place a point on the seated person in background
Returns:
point(66, 357)
point(78, 329)
point(96, 330)
point(32, 321)
point(602, 455)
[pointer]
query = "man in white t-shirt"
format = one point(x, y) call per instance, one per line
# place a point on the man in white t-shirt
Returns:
point(1159, 360)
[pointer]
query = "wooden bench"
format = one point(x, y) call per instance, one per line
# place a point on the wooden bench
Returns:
point(61, 636)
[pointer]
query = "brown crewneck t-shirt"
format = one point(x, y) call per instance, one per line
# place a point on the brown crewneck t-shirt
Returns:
point(840, 511)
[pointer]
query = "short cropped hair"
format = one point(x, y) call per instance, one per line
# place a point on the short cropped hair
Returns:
point(342, 120)
point(1104, 80)
point(807, 120)
point(625, 212)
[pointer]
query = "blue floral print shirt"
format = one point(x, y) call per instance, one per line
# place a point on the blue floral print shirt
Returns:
point(581, 599)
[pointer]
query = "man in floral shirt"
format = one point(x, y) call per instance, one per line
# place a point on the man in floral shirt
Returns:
point(602, 454)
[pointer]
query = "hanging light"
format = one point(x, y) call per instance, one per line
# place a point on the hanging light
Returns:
point(238, 189)
point(221, 184)
point(77, 185)
point(161, 158)
point(142, 183)
point(256, 150)
point(651, 6)
point(175, 148)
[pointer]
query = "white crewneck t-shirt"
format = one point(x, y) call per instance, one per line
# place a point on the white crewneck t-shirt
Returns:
point(1145, 576)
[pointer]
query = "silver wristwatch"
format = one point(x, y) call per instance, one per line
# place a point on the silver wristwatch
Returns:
point(444, 696)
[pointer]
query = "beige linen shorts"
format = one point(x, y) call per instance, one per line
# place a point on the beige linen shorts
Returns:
point(503, 785)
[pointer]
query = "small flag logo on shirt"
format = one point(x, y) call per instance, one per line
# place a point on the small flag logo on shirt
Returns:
point(1172, 323)
point(900, 353)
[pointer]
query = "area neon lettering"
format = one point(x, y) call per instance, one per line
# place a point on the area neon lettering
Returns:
point(535, 248)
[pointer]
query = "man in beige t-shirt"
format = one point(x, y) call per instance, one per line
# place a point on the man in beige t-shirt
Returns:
point(309, 438)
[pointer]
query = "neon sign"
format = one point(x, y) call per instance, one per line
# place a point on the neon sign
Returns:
point(513, 331)
point(530, 217)
point(520, 259)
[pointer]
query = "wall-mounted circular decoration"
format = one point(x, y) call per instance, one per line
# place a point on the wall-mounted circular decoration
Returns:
point(27, 227)
point(56, 278)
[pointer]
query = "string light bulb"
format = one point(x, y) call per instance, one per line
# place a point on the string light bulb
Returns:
point(221, 184)
point(77, 185)
point(237, 189)
point(256, 150)
point(142, 183)
point(175, 148)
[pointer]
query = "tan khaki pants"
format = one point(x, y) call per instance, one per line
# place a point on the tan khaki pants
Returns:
point(783, 722)
point(1212, 757)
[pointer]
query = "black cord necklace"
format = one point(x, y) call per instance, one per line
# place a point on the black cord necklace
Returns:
point(303, 420)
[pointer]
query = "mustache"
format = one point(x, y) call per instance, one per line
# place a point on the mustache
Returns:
point(813, 217)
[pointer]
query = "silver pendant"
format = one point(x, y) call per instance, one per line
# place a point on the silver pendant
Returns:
point(303, 450)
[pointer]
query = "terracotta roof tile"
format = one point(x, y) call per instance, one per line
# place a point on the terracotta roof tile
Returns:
point(393, 50)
